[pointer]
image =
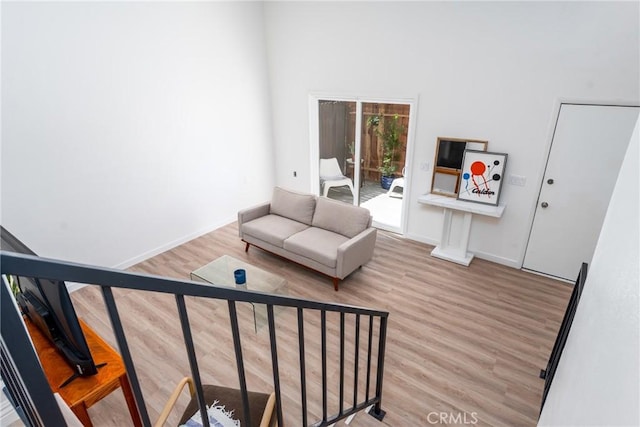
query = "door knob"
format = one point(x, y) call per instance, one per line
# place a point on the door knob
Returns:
point(544, 204)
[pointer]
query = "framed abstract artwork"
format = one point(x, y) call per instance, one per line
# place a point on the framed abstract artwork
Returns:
point(482, 177)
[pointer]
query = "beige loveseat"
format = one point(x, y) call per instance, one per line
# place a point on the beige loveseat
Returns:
point(331, 237)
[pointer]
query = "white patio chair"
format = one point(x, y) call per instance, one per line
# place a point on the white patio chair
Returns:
point(398, 182)
point(331, 176)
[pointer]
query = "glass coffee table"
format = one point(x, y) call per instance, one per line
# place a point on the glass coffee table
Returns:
point(220, 272)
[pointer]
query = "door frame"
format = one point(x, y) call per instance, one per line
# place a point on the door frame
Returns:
point(314, 142)
point(553, 123)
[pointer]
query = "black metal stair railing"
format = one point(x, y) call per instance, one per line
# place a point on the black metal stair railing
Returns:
point(30, 375)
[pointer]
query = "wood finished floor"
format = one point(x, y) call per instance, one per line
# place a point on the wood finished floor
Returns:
point(465, 341)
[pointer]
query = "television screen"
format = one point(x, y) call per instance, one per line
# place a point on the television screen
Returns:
point(48, 305)
point(450, 154)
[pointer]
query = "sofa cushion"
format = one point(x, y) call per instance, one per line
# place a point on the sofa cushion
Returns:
point(340, 217)
point(317, 244)
point(273, 229)
point(296, 206)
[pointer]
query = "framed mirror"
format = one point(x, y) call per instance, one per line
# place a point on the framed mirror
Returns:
point(448, 163)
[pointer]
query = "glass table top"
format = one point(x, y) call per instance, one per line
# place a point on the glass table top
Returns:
point(220, 272)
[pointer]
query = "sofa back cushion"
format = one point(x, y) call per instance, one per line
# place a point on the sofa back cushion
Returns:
point(296, 206)
point(340, 217)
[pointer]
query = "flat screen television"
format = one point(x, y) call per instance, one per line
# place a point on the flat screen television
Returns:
point(548, 373)
point(48, 305)
point(450, 154)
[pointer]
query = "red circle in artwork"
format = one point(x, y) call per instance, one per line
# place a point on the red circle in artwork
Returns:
point(478, 168)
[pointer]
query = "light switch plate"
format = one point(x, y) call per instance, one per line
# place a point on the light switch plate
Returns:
point(518, 180)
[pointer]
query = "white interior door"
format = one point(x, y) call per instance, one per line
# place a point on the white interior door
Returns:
point(587, 150)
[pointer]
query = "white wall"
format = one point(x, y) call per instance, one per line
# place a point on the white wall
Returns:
point(129, 127)
point(598, 377)
point(479, 70)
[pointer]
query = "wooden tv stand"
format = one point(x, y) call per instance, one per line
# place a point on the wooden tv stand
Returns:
point(83, 392)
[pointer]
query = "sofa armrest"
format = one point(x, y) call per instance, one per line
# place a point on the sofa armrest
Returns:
point(254, 212)
point(356, 252)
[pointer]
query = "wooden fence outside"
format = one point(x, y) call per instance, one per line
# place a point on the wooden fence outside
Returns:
point(337, 134)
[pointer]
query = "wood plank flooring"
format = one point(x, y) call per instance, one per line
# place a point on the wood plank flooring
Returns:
point(463, 345)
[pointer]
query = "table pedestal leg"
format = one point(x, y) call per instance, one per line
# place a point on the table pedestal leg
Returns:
point(445, 250)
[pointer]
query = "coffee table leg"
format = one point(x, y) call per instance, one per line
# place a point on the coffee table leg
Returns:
point(255, 319)
point(131, 402)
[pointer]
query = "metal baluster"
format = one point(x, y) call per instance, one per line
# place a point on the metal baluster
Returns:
point(323, 326)
point(303, 375)
point(233, 316)
point(377, 411)
point(274, 362)
point(116, 325)
point(366, 398)
point(191, 354)
point(357, 357)
point(341, 411)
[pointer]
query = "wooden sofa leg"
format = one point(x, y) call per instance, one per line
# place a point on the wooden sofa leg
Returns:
point(246, 248)
point(335, 283)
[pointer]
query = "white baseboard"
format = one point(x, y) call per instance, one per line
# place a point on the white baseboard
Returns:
point(72, 286)
point(168, 246)
point(537, 273)
point(513, 263)
point(422, 239)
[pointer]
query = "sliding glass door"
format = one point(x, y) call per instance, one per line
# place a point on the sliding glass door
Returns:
point(362, 155)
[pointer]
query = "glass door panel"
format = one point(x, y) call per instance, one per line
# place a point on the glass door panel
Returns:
point(383, 154)
point(337, 143)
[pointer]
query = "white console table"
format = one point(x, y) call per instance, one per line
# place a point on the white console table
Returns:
point(445, 250)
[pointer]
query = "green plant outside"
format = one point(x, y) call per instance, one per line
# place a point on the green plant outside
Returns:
point(390, 135)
